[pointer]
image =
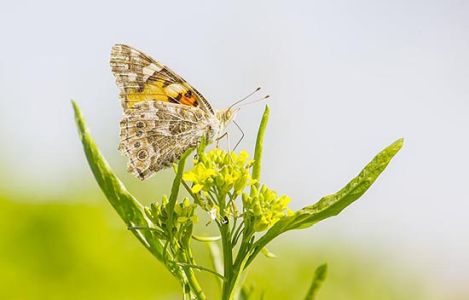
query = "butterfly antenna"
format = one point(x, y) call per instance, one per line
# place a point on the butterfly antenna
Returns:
point(257, 100)
point(246, 97)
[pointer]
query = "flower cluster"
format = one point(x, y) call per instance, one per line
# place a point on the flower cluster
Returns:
point(263, 208)
point(220, 171)
point(183, 216)
point(219, 177)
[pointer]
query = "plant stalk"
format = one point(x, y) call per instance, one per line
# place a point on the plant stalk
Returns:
point(227, 261)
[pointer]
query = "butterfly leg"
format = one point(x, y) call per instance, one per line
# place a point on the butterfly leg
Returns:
point(228, 146)
point(242, 135)
point(227, 140)
point(219, 138)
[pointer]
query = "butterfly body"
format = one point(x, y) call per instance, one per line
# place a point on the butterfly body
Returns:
point(163, 114)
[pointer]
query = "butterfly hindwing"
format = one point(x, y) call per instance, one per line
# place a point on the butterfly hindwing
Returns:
point(141, 78)
point(155, 134)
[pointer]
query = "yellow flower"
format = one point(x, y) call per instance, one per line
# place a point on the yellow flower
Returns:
point(264, 208)
point(217, 168)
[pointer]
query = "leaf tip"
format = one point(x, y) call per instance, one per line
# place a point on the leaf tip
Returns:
point(266, 111)
point(397, 145)
point(400, 141)
point(76, 109)
point(75, 105)
point(78, 118)
point(321, 271)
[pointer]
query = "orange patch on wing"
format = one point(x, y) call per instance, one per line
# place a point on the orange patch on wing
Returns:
point(191, 101)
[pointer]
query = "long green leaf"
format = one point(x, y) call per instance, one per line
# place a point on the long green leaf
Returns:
point(128, 208)
point(331, 205)
point(256, 169)
point(319, 277)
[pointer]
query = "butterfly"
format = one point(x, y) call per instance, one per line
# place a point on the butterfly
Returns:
point(163, 114)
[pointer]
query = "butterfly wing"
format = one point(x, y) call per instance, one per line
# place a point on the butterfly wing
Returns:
point(141, 78)
point(155, 134)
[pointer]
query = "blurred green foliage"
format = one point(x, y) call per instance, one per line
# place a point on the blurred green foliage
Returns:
point(82, 251)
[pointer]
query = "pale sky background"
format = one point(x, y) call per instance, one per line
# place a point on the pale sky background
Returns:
point(346, 78)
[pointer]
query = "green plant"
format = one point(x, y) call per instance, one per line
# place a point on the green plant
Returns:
point(215, 184)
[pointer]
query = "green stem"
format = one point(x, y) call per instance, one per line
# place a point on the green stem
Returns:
point(227, 246)
point(237, 233)
point(202, 269)
point(186, 292)
point(230, 289)
point(237, 268)
point(227, 260)
point(245, 243)
point(194, 285)
point(175, 191)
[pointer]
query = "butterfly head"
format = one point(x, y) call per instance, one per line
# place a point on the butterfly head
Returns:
point(225, 116)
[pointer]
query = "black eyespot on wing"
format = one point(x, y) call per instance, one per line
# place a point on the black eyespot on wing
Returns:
point(142, 154)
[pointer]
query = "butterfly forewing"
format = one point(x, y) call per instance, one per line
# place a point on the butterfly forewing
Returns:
point(142, 78)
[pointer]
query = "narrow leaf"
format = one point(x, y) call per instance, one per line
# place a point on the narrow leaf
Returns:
point(319, 277)
point(256, 169)
point(331, 205)
point(128, 208)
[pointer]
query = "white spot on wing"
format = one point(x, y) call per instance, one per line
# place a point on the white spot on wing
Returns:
point(150, 70)
point(132, 77)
